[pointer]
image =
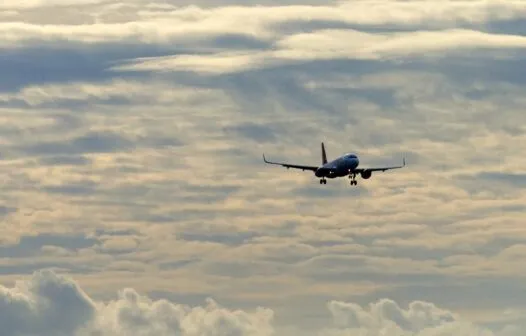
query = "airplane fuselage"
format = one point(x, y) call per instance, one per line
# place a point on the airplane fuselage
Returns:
point(342, 166)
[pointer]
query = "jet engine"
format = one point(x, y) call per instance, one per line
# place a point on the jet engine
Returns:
point(366, 174)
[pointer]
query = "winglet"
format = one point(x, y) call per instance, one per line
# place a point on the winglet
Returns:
point(264, 159)
point(403, 162)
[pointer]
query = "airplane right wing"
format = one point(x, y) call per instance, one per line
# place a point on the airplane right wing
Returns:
point(287, 165)
point(382, 168)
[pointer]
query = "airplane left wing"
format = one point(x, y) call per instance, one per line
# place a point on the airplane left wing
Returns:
point(287, 165)
point(381, 168)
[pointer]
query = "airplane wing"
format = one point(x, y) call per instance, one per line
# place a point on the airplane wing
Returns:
point(288, 166)
point(381, 168)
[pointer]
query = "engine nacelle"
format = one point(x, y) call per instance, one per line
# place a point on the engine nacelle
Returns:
point(366, 174)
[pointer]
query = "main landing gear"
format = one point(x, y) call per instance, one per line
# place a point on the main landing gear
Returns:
point(352, 177)
point(323, 181)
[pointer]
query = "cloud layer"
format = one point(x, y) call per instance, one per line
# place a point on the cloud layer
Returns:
point(50, 304)
point(131, 137)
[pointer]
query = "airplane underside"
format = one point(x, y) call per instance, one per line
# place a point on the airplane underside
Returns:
point(324, 175)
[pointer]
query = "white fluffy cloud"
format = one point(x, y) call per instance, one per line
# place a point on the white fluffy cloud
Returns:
point(51, 304)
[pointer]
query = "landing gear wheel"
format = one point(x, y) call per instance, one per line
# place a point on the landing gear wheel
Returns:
point(323, 181)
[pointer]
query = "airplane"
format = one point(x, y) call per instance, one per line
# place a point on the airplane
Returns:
point(345, 165)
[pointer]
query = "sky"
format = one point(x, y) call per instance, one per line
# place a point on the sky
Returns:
point(135, 201)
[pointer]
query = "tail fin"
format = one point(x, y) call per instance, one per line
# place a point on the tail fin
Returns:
point(323, 154)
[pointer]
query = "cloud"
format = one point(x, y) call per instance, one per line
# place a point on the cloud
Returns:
point(45, 305)
point(51, 304)
point(170, 23)
point(334, 44)
point(158, 176)
point(204, 39)
point(9, 4)
point(116, 91)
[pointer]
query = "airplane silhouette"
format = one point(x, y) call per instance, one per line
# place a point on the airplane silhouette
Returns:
point(345, 165)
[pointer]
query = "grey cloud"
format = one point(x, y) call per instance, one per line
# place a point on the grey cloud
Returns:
point(176, 264)
point(500, 294)
point(250, 3)
point(512, 26)
point(499, 244)
point(72, 189)
point(5, 210)
point(36, 65)
point(237, 41)
point(233, 239)
point(49, 304)
point(29, 246)
point(464, 70)
point(253, 132)
point(242, 269)
point(284, 86)
point(123, 232)
point(29, 267)
point(74, 61)
point(100, 143)
point(93, 142)
point(313, 25)
point(60, 160)
point(253, 89)
point(341, 189)
point(513, 179)
point(498, 183)
point(143, 199)
point(53, 305)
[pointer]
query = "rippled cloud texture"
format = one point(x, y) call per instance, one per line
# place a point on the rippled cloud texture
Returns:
point(135, 200)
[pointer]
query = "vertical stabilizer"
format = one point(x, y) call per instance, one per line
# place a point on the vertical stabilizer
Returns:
point(323, 154)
